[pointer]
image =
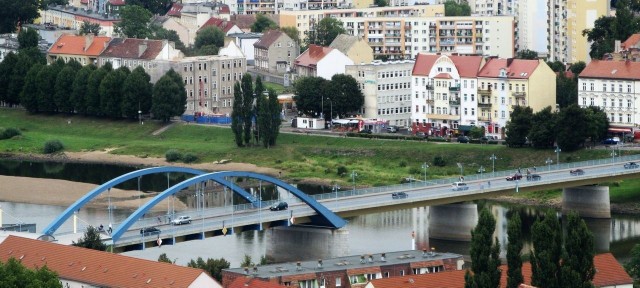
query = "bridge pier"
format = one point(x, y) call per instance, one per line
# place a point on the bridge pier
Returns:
point(588, 201)
point(453, 221)
point(306, 243)
point(601, 230)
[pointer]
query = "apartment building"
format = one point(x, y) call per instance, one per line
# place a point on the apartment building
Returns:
point(83, 49)
point(404, 38)
point(275, 52)
point(493, 7)
point(387, 90)
point(318, 61)
point(614, 87)
point(567, 19)
point(73, 18)
point(305, 20)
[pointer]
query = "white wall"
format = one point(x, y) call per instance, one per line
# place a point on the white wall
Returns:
point(205, 281)
point(333, 63)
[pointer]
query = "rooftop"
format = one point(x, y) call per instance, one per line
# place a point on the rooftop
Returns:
point(628, 70)
point(467, 66)
point(313, 55)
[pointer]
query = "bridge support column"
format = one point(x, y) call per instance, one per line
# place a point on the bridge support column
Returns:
point(306, 243)
point(453, 221)
point(588, 201)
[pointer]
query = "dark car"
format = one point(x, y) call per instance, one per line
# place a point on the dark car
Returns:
point(484, 139)
point(533, 177)
point(399, 195)
point(610, 141)
point(463, 139)
point(516, 176)
point(279, 206)
point(421, 135)
point(631, 165)
point(365, 131)
point(150, 231)
point(576, 172)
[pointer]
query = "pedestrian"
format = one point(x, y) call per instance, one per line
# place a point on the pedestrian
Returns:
point(534, 169)
point(101, 228)
point(159, 242)
point(110, 229)
point(489, 183)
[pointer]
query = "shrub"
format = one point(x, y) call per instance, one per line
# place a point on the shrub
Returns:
point(9, 133)
point(415, 170)
point(53, 146)
point(439, 161)
point(189, 158)
point(342, 170)
point(173, 156)
point(402, 164)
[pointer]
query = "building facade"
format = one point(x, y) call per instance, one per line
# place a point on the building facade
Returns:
point(387, 90)
point(354, 47)
point(275, 52)
point(320, 61)
point(73, 18)
point(83, 49)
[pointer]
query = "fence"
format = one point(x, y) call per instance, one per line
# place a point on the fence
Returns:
point(207, 119)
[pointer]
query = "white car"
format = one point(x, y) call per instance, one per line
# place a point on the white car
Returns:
point(181, 220)
point(458, 186)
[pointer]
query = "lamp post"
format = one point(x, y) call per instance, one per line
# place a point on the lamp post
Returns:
point(331, 111)
point(335, 190)
point(493, 163)
point(613, 154)
point(354, 174)
point(322, 108)
point(425, 166)
point(481, 170)
point(558, 156)
point(548, 162)
point(140, 116)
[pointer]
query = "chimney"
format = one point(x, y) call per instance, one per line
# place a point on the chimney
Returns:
point(617, 46)
point(319, 263)
point(298, 266)
point(142, 47)
point(88, 40)
point(370, 258)
point(246, 270)
point(424, 252)
point(255, 269)
point(362, 259)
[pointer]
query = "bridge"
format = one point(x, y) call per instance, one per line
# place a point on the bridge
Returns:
point(327, 210)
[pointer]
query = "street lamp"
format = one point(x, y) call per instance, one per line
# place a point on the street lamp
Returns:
point(354, 174)
point(425, 166)
point(140, 116)
point(493, 163)
point(335, 190)
point(548, 162)
point(558, 156)
point(322, 108)
point(331, 111)
point(613, 154)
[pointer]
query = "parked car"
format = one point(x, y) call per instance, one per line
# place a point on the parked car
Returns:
point(484, 139)
point(463, 139)
point(515, 176)
point(392, 129)
point(181, 220)
point(609, 141)
point(279, 206)
point(576, 172)
point(459, 186)
point(631, 165)
point(533, 177)
point(149, 231)
point(365, 131)
point(399, 195)
point(421, 135)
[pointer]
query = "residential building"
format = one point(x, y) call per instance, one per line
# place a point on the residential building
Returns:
point(614, 87)
point(225, 25)
point(627, 50)
point(249, 282)
point(83, 49)
point(245, 41)
point(322, 62)
point(354, 47)
point(349, 271)
point(81, 267)
point(493, 7)
point(244, 22)
point(172, 23)
point(387, 90)
point(275, 52)
point(48, 33)
point(405, 37)
point(209, 82)
point(230, 49)
point(305, 20)
point(567, 19)
point(609, 274)
point(68, 17)
point(194, 15)
point(9, 43)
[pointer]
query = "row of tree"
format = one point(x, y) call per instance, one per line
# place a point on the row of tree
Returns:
point(254, 113)
point(556, 260)
point(568, 128)
point(340, 96)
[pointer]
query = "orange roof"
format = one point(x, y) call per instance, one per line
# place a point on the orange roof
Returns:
point(250, 282)
point(612, 70)
point(467, 66)
point(75, 45)
point(608, 273)
point(313, 55)
point(516, 68)
point(632, 41)
point(96, 267)
point(443, 76)
point(224, 25)
point(176, 10)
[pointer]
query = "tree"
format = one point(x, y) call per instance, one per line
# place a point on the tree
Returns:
point(345, 95)
point(514, 248)
point(79, 90)
point(213, 267)
point(380, 3)
point(578, 269)
point(633, 266)
point(180, 98)
point(576, 68)
point(556, 66)
point(26, 58)
point(64, 88)
point(14, 274)
point(543, 133)
point(14, 13)
point(477, 132)
point(89, 28)
point(485, 261)
point(247, 261)
point(292, 32)
point(570, 129)
point(566, 90)
point(274, 117)
point(519, 126)
point(248, 110)
point(136, 93)
point(158, 32)
point(91, 240)
point(164, 99)
point(452, 8)
point(93, 94)
point(597, 124)
point(134, 22)
point(6, 70)
point(110, 91)
point(527, 54)
point(626, 22)
point(209, 36)
point(263, 23)
point(325, 32)
point(309, 92)
point(46, 86)
point(601, 36)
point(236, 114)
point(30, 92)
point(268, 118)
point(261, 109)
point(164, 258)
point(159, 7)
point(546, 237)
point(28, 38)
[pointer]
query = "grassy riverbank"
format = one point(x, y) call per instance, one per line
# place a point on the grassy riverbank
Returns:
point(377, 162)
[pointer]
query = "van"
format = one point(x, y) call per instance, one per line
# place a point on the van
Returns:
point(459, 186)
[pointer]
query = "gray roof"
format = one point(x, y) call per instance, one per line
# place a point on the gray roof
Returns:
point(344, 42)
point(345, 263)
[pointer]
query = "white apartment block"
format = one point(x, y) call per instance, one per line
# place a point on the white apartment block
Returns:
point(614, 86)
point(387, 90)
point(493, 7)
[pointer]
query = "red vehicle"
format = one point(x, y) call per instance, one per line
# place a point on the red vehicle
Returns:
point(516, 176)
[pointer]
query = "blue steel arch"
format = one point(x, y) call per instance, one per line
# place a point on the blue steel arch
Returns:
point(56, 223)
point(326, 216)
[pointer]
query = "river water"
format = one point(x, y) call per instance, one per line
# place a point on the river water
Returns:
point(365, 234)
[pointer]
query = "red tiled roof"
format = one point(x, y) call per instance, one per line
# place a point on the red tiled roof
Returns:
point(467, 66)
point(443, 76)
point(250, 282)
point(84, 1)
point(516, 68)
point(244, 22)
point(632, 41)
point(75, 45)
point(224, 9)
point(96, 267)
point(175, 10)
point(612, 70)
point(224, 25)
point(267, 39)
point(608, 273)
point(312, 56)
point(117, 2)
point(130, 48)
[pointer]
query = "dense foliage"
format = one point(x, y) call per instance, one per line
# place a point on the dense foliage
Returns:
point(91, 240)
point(607, 29)
point(134, 22)
point(265, 113)
point(325, 32)
point(263, 23)
point(453, 8)
point(485, 254)
point(213, 267)
point(14, 13)
point(14, 274)
point(339, 96)
point(514, 249)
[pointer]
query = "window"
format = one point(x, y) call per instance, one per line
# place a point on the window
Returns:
point(604, 102)
point(628, 118)
point(628, 88)
point(338, 281)
point(604, 87)
point(473, 111)
point(584, 86)
point(503, 114)
point(620, 102)
point(593, 103)
point(628, 103)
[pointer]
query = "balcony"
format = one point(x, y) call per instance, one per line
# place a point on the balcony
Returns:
point(429, 86)
point(484, 104)
point(484, 92)
point(430, 101)
point(454, 88)
point(519, 94)
point(484, 118)
point(455, 102)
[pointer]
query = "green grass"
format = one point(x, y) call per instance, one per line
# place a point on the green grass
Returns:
point(377, 162)
point(278, 88)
